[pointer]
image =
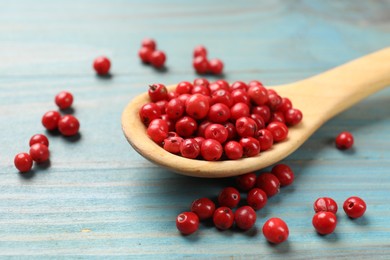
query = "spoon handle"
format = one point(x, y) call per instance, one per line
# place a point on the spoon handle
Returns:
point(327, 94)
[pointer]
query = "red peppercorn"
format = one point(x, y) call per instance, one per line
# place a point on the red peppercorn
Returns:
point(232, 133)
point(233, 150)
point(50, 120)
point(145, 54)
point(149, 112)
point(277, 116)
point(258, 94)
point(245, 182)
point(184, 87)
point(293, 116)
point(223, 218)
point(263, 111)
point(219, 113)
point(285, 105)
point(203, 207)
point(186, 126)
point(197, 106)
point(216, 66)
point(201, 64)
point(162, 104)
point(158, 58)
point(344, 140)
point(23, 162)
point(274, 100)
point(246, 126)
point(275, 230)
point(217, 132)
point(149, 44)
point(222, 96)
point(201, 82)
point(190, 148)
point(284, 174)
point(245, 217)
point(172, 144)
point(229, 197)
point(240, 95)
point(265, 138)
point(354, 207)
point(268, 183)
point(238, 85)
point(39, 152)
point(187, 223)
point(102, 65)
point(257, 198)
point(158, 130)
point(325, 204)
point(157, 92)
point(324, 222)
point(175, 109)
point(250, 146)
point(260, 123)
point(200, 51)
point(64, 100)
point(39, 138)
point(279, 131)
point(68, 125)
point(239, 110)
point(211, 150)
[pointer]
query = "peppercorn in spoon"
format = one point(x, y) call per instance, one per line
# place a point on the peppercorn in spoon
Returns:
point(320, 98)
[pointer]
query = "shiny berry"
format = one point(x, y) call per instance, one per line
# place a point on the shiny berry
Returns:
point(102, 65)
point(217, 132)
point(354, 207)
point(184, 87)
point(203, 207)
point(186, 126)
point(258, 94)
point(229, 197)
point(175, 109)
point(257, 198)
point(68, 125)
point(211, 150)
point(324, 222)
point(50, 120)
point(64, 100)
point(149, 112)
point(268, 183)
point(284, 174)
point(201, 64)
point(219, 113)
point(23, 162)
point(223, 218)
point(239, 85)
point(239, 110)
point(265, 138)
point(344, 140)
point(39, 138)
point(216, 66)
point(250, 146)
point(200, 89)
point(144, 54)
point(187, 223)
point(245, 182)
point(190, 148)
point(240, 95)
point(222, 96)
point(325, 204)
point(201, 82)
point(233, 150)
point(172, 144)
point(285, 105)
point(158, 130)
point(264, 111)
point(157, 92)
point(293, 116)
point(200, 50)
point(279, 131)
point(149, 44)
point(158, 58)
point(39, 153)
point(197, 106)
point(246, 126)
point(245, 217)
point(275, 230)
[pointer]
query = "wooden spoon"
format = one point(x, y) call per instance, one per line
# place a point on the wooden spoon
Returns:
point(319, 98)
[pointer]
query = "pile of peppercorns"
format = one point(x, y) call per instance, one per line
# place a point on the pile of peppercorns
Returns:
point(217, 121)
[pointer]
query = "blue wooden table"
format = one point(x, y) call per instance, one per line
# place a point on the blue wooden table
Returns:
point(98, 197)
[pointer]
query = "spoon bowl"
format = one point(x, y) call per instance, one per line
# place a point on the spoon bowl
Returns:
point(320, 98)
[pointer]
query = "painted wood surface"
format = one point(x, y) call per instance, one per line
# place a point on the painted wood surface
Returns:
point(98, 197)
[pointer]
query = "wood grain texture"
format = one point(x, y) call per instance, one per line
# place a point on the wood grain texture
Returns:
point(99, 198)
